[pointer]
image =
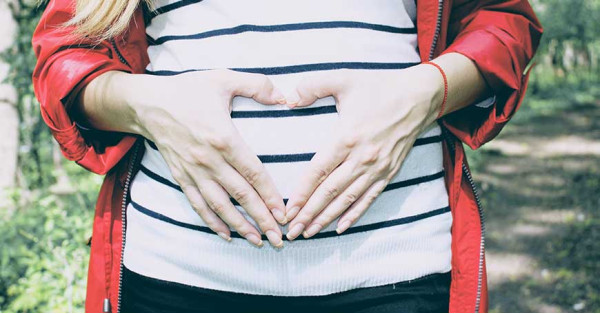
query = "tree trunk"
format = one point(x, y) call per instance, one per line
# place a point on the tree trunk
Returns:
point(9, 119)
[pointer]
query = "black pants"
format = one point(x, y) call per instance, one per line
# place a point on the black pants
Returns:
point(144, 294)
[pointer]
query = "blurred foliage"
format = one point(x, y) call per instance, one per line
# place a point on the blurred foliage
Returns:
point(43, 233)
point(43, 262)
point(43, 259)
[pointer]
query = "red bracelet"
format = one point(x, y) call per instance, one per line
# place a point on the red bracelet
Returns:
point(443, 106)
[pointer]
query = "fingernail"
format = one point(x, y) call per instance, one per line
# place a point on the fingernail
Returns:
point(342, 226)
point(279, 215)
point(254, 239)
point(224, 236)
point(311, 231)
point(274, 238)
point(292, 213)
point(295, 231)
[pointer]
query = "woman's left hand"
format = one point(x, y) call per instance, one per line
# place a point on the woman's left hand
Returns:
point(381, 113)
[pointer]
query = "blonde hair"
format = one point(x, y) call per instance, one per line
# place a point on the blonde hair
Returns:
point(103, 19)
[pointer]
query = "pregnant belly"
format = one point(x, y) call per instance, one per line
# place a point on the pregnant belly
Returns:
point(405, 233)
point(285, 140)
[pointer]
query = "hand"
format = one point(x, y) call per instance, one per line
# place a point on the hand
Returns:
point(188, 117)
point(381, 113)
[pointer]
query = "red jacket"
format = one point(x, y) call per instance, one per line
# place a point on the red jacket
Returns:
point(500, 36)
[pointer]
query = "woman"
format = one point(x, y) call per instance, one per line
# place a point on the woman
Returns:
point(369, 223)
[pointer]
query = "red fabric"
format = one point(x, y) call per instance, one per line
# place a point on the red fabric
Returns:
point(64, 65)
point(500, 36)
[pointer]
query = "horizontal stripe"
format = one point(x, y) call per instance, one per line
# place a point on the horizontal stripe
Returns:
point(270, 158)
point(156, 177)
point(392, 186)
point(283, 28)
point(285, 158)
point(428, 140)
point(172, 6)
point(283, 113)
point(320, 235)
point(415, 181)
point(152, 144)
point(308, 156)
point(305, 68)
point(204, 16)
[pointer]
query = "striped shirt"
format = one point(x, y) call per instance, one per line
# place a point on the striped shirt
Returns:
point(404, 235)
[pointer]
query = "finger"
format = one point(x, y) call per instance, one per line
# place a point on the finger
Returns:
point(247, 164)
point(218, 201)
point(247, 197)
point(256, 86)
point(321, 165)
point(326, 192)
point(315, 86)
point(360, 206)
point(189, 188)
point(209, 217)
point(339, 205)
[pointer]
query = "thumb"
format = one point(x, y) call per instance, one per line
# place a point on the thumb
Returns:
point(315, 86)
point(258, 87)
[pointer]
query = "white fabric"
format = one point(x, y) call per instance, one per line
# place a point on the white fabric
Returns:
point(161, 241)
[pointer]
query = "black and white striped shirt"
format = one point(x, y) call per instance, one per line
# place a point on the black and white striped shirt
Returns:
point(404, 235)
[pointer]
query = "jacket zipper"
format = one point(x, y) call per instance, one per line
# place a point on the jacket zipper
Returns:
point(130, 170)
point(121, 58)
point(465, 170)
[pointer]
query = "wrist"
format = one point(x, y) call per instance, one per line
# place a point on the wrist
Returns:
point(136, 97)
point(440, 84)
point(430, 82)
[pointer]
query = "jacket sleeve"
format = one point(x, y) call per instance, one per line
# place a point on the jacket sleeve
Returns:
point(500, 37)
point(64, 66)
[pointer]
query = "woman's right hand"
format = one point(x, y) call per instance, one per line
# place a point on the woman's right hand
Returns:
point(188, 117)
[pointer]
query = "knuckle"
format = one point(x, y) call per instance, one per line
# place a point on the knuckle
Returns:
point(220, 142)
point(219, 208)
point(264, 222)
point(301, 198)
point(304, 218)
point(350, 198)
point(199, 157)
point(197, 208)
point(242, 227)
point(177, 174)
point(322, 174)
point(385, 165)
point(370, 155)
point(331, 192)
point(351, 140)
point(187, 188)
point(371, 198)
point(241, 195)
point(251, 175)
